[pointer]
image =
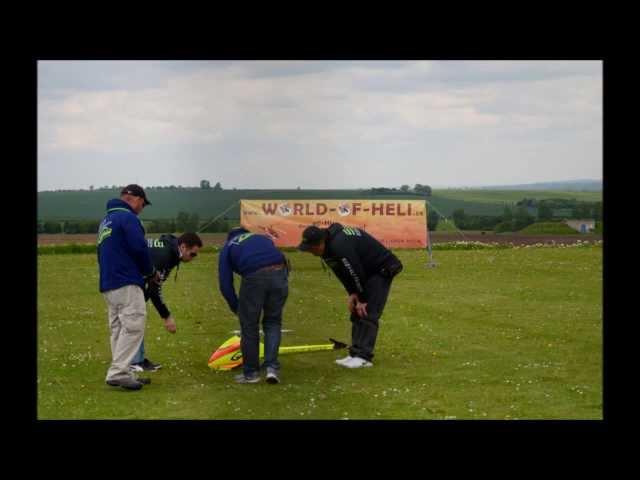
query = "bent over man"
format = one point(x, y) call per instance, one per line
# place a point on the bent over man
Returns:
point(366, 268)
point(167, 252)
point(264, 290)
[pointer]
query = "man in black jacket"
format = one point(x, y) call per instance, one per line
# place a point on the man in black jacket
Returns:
point(166, 253)
point(365, 268)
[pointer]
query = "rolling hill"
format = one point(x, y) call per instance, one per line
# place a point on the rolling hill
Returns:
point(167, 203)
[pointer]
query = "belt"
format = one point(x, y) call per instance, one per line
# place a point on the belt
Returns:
point(270, 268)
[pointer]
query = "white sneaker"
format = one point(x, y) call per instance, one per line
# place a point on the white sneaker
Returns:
point(356, 362)
point(341, 361)
point(135, 368)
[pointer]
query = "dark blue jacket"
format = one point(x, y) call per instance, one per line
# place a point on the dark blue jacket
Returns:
point(123, 254)
point(244, 253)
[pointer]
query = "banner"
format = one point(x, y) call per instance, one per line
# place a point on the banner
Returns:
point(395, 223)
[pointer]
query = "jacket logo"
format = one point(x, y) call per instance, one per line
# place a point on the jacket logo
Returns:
point(351, 231)
point(240, 238)
point(104, 231)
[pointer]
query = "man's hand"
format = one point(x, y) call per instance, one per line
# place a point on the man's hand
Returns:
point(156, 278)
point(170, 324)
point(361, 309)
point(351, 302)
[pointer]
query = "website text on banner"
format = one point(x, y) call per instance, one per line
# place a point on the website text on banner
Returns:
point(396, 223)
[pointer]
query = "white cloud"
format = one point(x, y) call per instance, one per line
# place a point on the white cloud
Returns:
point(335, 111)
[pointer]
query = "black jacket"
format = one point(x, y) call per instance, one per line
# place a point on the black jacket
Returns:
point(355, 256)
point(164, 256)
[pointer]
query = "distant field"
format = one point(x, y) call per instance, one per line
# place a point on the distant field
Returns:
point(500, 196)
point(208, 204)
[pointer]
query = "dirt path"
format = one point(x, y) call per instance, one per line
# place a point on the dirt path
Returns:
point(436, 237)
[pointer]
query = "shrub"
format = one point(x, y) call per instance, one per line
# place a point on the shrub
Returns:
point(549, 228)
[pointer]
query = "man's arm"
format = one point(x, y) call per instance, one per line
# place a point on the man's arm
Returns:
point(154, 292)
point(349, 269)
point(225, 279)
point(136, 244)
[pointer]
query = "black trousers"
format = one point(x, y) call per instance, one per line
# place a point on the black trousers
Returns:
point(364, 331)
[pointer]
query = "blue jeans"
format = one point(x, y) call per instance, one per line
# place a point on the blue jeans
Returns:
point(139, 357)
point(263, 293)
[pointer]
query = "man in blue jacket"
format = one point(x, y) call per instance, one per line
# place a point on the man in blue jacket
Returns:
point(265, 288)
point(125, 263)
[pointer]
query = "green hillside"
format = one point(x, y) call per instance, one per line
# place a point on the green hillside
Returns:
point(90, 205)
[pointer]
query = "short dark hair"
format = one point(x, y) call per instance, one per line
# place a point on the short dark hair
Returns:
point(190, 239)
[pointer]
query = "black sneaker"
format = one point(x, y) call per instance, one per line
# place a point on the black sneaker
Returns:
point(126, 383)
point(144, 381)
point(148, 366)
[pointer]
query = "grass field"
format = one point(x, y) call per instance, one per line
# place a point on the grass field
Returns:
point(487, 334)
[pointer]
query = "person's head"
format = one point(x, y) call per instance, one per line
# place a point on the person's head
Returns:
point(189, 245)
point(313, 240)
point(136, 198)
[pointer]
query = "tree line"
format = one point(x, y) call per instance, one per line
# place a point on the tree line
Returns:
point(521, 215)
point(184, 222)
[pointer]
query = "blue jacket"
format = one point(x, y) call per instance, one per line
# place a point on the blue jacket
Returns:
point(244, 253)
point(123, 254)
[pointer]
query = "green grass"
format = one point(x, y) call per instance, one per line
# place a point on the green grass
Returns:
point(487, 334)
point(548, 228)
point(446, 226)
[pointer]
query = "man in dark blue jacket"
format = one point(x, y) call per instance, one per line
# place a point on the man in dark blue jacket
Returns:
point(265, 288)
point(125, 263)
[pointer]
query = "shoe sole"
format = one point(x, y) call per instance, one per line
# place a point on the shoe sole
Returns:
point(137, 387)
point(241, 382)
point(364, 365)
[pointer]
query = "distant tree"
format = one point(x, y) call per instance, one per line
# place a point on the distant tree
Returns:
point(545, 212)
point(597, 211)
point(458, 217)
point(404, 188)
point(582, 210)
point(182, 221)
point(52, 227)
point(91, 188)
point(507, 214)
point(432, 220)
point(204, 184)
point(424, 189)
point(186, 222)
point(217, 187)
point(522, 218)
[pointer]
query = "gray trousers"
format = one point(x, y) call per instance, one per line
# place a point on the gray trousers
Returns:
point(127, 313)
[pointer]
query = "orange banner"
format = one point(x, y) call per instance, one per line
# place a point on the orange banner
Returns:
point(395, 223)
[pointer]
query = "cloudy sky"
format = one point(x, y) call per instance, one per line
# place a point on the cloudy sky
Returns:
point(318, 124)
